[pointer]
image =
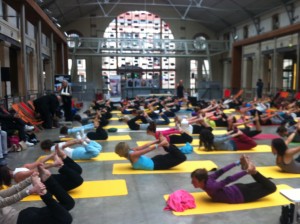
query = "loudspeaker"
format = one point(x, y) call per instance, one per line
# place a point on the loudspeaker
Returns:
point(5, 74)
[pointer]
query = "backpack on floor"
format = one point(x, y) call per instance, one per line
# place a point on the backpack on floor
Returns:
point(287, 214)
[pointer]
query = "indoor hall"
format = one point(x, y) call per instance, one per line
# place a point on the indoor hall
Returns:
point(117, 49)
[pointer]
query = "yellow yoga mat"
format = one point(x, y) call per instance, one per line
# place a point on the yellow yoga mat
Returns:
point(195, 142)
point(276, 173)
point(110, 138)
point(126, 126)
point(204, 205)
point(103, 156)
point(228, 111)
point(215, 132)
point(116, 119)
point(94, 189)
point(259, 148)
point(185, 167)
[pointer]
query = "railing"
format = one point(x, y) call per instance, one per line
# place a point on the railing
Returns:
point(146, 47)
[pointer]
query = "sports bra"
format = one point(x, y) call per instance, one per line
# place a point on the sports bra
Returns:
point(143, 163)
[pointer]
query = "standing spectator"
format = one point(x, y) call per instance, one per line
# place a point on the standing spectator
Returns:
point(259, 88)
point(180, 89)
point(66, 97)
point(46, 106)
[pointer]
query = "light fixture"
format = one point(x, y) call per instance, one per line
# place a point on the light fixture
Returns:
point(236, 37)
point(57, 24)
point(47, 11)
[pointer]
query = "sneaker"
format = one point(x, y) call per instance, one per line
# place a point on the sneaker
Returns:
point(29, 127)
point(29, 143)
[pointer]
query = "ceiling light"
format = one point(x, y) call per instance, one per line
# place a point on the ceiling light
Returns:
point(57, 24)
point(47, 11)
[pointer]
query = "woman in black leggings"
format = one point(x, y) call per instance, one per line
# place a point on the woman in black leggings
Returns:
point(139, 161)
point(69, 173)
point(55, 211)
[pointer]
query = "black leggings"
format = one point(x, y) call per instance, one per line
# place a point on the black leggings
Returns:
point(254, 191)
point(134, 126)
point(69, 176)
point(55, 212)
point(250, 133)
point(173, 158)
point(180, 139)
point(100, 134)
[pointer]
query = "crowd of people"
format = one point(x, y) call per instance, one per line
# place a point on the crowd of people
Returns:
point(152, 115)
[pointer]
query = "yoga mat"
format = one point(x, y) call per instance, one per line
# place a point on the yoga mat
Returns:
point(185, 167)
point(195, 142)
point(94, 189)
point(110, 138)
point(103, 156)
point(116, 119)
point(259, 148)
point(215, 132)
point(204, 204)
point(228, 111)
point(124, 126)
point(265, 136)
point(276, 173)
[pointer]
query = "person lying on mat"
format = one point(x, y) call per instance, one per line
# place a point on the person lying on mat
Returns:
point(224, 191)
point(292, 133)
point(233, 124)
point(173, 135)
point(233, 140)
point(193, 125)
point(285, 156)
point(141, 120)
point(69, 173)
point(54, 211)
point(88, 149)
point(99, 134)
point(159, 162)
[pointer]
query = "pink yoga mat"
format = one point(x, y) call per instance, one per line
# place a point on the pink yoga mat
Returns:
point(265, 136)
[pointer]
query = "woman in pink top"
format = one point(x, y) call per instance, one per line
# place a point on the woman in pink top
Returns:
point(173, 135)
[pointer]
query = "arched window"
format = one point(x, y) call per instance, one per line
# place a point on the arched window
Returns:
point(140, 30)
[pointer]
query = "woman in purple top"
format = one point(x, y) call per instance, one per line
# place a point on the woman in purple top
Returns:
point(235, 193)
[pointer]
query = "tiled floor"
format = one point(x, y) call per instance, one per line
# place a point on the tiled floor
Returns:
point(144, 202)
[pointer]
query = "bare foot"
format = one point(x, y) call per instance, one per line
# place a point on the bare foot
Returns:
point(251, 168)
point(35, 179)
point(57, 161)
point(244, 162)
point(38, 188)
point(60, 152)
point(44, 173)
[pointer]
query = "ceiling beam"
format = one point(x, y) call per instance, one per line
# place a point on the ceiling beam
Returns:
point(101, 7)
point(174, 7)
point(187, 10)
point(113, 7)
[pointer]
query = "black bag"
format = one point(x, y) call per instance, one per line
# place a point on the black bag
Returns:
point(287, 214)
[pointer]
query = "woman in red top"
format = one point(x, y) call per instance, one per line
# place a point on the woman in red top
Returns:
point(173, 135)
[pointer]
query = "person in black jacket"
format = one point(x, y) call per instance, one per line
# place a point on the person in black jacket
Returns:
point(46, 106)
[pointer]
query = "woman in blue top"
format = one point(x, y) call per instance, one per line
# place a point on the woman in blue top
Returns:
point(221, 191)
point(159, 162)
